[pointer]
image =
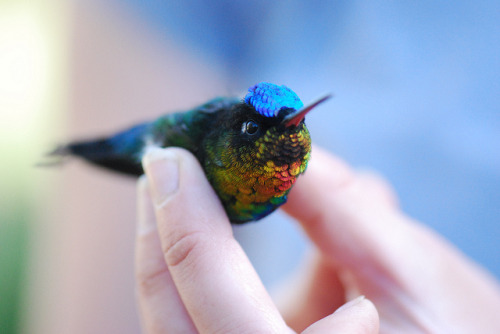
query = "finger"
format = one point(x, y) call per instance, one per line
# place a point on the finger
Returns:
point(160, 306)
point(313, 293)
point(357, 316)
point(215, 279)
point(343, 212)
point(378, 187)
point(397, 262)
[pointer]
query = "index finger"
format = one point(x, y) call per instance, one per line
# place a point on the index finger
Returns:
point(215, 279)
point(344, 212)
point(394, 260)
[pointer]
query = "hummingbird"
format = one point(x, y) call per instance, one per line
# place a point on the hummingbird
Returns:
point(252, 150)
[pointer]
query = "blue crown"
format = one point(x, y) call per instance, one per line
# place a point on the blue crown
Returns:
point(268, 99)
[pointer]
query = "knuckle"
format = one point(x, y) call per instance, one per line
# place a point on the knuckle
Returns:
point(180, 249)
point(150, 282)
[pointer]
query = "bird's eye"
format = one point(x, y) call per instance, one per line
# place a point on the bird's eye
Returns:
point(249, 127)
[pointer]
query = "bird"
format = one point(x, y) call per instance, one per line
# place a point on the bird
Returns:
point(252, 150)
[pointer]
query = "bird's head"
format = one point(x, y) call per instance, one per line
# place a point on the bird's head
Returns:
point(268, 125)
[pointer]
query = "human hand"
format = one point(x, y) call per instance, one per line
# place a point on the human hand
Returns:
point(418, 282)
point(192, 275)
point(203, 281)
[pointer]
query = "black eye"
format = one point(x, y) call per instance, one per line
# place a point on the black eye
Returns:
point(249, 127)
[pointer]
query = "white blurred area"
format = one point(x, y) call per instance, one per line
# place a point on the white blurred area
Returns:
point(33, 59)
point(33, 94)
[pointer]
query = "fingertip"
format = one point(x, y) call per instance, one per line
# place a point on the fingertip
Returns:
point(339, 170)
point(357, 316)
point(162, 169)
point(171, 168)
point(154, 153)
point(192, 196)
point(354, 303)
point(359, 313)
point(324, 175)
point(381, 189)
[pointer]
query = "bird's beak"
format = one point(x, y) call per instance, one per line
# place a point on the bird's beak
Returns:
point(296, 117)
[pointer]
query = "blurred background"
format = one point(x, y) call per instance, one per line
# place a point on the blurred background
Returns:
point(417, 98)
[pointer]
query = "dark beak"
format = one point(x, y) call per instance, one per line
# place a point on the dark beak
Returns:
point(296, 117)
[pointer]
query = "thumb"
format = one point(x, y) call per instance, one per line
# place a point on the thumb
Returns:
point(214, 278)
point(357, 316)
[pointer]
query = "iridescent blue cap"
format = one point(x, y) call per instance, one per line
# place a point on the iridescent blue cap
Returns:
point(268, 99)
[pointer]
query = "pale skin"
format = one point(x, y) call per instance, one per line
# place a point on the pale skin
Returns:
point(193, 276)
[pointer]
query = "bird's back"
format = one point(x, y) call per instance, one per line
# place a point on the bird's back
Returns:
point(123, 151)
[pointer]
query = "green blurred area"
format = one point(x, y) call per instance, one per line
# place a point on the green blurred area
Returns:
point(33, 71)
point(14, 250)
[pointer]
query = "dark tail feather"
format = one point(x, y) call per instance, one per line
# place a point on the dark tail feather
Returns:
point(102, 153)
point(121, 153)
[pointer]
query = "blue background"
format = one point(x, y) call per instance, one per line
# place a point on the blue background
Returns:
point(417, 98)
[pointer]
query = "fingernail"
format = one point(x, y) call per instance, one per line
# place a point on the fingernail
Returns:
point(162, 169)
point(145, 212)
point(350, 304)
